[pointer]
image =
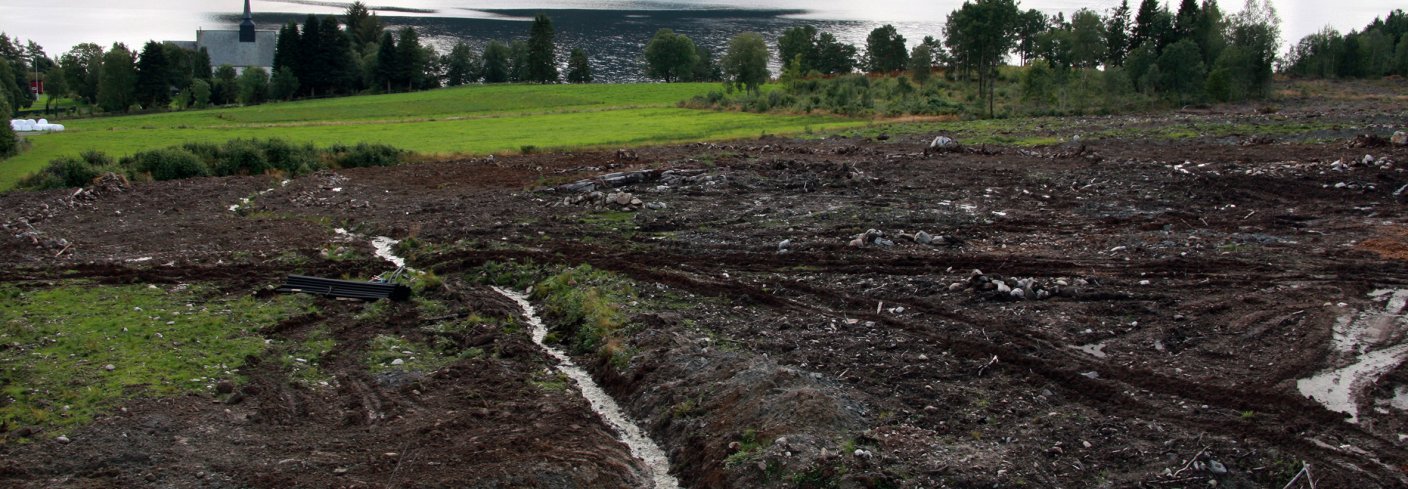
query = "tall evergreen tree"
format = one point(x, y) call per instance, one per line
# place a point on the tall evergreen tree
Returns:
point(1186, 20)
point(411, 60)
point(1144, 29)
point(7, 93)
point(363, 25)
point(542, 52)
point(311, 67)
point(153, 89)
point(579, 68)
point(341, 62)
point(388, 68)
point(200, 65)
point(1117, 39)
point(286, 49)
point(1208, 31)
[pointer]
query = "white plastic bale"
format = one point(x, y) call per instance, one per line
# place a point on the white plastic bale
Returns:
point(43, 122)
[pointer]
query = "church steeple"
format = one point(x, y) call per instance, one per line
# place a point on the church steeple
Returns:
point(247, 26)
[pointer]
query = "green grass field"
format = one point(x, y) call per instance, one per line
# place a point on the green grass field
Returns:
point(466, 120)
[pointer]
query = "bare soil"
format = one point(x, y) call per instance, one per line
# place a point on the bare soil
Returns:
point(1203, 278)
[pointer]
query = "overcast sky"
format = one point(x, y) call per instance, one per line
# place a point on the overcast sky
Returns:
point(58, 24)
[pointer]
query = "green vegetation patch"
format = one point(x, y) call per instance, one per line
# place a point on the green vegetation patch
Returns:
point(586, 306)
point(303, 358)
point(57, 344)
point(471, 120)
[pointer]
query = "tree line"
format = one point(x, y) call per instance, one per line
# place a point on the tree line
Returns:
point(324, 56)
point(1192, 54)
point(1380, 49)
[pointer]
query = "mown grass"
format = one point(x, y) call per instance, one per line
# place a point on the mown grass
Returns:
point(58, 341)
point(467, 120)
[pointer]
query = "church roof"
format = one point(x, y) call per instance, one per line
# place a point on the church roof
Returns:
point(225, 48)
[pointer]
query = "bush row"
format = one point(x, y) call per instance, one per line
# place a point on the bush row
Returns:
point(234, 157)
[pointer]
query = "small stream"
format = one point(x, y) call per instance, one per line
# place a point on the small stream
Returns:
point(642, 447)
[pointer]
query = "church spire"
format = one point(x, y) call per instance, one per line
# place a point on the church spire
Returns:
point(247, 26)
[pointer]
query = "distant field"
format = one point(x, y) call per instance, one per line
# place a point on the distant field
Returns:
point(469, 120)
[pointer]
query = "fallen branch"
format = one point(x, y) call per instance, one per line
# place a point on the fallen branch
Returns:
point(1304, 470)
point(1190, 461)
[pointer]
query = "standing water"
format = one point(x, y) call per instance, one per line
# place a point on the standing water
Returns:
point(642, 447)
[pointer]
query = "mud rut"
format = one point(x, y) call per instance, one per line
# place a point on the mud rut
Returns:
point(806, 350)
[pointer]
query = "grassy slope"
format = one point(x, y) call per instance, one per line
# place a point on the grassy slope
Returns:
point(59, 341)
point(475, 120)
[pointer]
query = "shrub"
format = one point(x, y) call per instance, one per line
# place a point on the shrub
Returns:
point(241, 157)
point(364, 154)
point(70, 172)
point(61, 173)
point(292, 158)
point(167, 164)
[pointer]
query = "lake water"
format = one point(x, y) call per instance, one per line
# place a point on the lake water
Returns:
point(613, 32)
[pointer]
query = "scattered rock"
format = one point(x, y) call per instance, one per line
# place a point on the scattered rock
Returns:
point(1091, 374)
point(659, 206)
point(784, 244)
point(942, 144)
point(923, 238)
point(109, 367)
point(626, 155)
point(1399, 138)
point(863, 453)
point(224, 387)
point(883, 137)
point(1216, 467)
point(398, 361)
point(62, 439)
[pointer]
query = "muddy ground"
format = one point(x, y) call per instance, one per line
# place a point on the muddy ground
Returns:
point(1179, 298)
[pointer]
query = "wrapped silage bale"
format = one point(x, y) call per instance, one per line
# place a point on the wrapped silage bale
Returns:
point(56, 127)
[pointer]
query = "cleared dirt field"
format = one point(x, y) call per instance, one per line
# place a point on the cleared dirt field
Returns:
point(1176, 301)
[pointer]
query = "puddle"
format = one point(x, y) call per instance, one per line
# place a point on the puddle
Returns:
point(642, 447)
point(1373, 341)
